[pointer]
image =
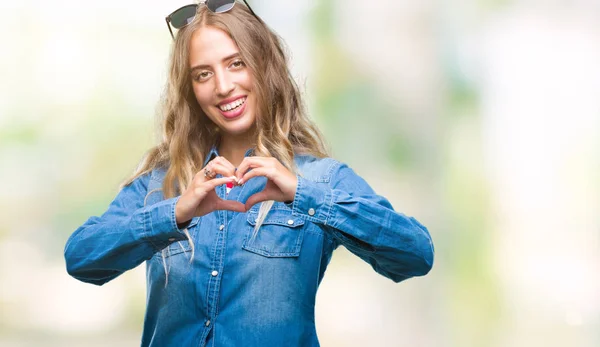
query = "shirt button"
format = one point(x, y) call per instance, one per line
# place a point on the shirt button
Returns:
point(311, 211)
point(215, 273)
point(171, 239)
point(207, 323)
point(221, 227)
point(291, 222)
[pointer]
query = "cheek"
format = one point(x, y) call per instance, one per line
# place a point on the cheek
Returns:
point(202, 94)
point(246, 80)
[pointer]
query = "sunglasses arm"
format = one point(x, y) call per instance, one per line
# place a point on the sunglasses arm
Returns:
point(250, 8)
point(169, 26)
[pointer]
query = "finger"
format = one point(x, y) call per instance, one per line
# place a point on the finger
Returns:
point(267, 172)
point(251, 163)
point(224, 163)
point(214, 183)
point(256, 198)
point(206, 173)
point(230, 205)
point(218, 168)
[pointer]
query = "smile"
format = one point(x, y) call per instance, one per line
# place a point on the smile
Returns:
point(232, 105)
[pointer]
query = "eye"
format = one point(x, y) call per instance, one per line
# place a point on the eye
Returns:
point(238, 64)
point(201, 76)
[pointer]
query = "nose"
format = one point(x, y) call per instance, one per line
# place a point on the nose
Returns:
point(224, 83)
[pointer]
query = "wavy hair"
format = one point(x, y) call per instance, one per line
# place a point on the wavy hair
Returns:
point(283, 127)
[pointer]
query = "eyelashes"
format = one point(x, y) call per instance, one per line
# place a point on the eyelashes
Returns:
point(205, 75)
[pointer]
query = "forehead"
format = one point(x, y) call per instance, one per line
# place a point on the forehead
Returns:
point(209, 45)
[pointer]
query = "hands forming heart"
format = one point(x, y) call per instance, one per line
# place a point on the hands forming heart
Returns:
point(200, 197)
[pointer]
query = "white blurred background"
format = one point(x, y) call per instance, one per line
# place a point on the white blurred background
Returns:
point(479, 118)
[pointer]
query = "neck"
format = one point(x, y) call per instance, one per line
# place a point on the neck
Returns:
point(233, 148)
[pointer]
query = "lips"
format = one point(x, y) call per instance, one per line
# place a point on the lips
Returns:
point(233, 107)
point(231, 104)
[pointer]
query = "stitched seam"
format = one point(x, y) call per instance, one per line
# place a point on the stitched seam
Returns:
point(331, 167)
point(173, 217)
point(149, 235)
point(326, 222)
point(295, 204)
point(219, 281)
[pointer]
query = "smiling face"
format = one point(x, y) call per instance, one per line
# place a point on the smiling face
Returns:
point(222, 82)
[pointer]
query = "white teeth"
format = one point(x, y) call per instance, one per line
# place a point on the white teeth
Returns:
point(232, 105)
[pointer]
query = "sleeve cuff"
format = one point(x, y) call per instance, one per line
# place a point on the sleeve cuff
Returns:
point(315, 203)
point(162, 224)
point(312, 201)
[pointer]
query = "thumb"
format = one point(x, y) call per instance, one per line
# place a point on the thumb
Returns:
point(256, 198)
point(230, 205)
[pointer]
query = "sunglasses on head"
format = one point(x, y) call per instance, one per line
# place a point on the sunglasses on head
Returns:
point(186, 14)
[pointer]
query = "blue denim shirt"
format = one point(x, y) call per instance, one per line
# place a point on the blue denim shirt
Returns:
point(239, 291)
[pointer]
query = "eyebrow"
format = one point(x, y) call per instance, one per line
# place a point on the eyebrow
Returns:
point(229, 57)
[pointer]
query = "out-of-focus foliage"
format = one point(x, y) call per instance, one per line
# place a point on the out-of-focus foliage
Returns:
point(478, 118)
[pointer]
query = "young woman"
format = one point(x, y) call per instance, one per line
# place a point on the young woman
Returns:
point(239, 209)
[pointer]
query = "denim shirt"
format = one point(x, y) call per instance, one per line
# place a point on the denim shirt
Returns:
point(237, 290)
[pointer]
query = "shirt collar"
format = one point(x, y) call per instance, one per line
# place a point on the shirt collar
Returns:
point(215, 153)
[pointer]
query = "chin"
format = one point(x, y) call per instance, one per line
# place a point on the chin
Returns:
point(238, 129)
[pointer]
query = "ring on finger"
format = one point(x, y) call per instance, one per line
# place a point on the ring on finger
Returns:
point(208, 174)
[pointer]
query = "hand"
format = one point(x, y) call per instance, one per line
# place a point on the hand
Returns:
point(200, 197)
point(281, 183)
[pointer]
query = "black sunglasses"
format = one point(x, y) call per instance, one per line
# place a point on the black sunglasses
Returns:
point(186, 14)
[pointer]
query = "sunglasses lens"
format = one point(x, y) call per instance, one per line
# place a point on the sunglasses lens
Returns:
point(183, 16)
point(220, 6)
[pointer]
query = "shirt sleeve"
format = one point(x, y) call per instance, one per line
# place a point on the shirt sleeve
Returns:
point(395, 245)
point(127, 234)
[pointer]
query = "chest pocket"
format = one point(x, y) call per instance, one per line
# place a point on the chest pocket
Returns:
point(280, 235)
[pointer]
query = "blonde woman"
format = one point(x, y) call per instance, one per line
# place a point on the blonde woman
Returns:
point(238, 210)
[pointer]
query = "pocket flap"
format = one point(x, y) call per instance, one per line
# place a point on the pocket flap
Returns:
point(280, 234)
point(277, 217)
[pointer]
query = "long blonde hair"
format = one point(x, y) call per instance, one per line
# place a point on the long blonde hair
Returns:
point(283, 127)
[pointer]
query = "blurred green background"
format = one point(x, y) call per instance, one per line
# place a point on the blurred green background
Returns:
point(479, 118)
